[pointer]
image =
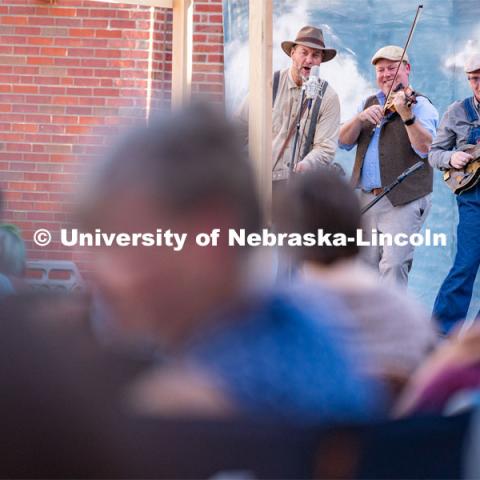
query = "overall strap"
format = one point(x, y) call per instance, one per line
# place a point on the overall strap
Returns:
point(276, 80)
point(470, 109)
point(313, 122)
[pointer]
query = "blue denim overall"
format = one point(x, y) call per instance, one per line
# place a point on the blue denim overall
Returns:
point(455, 294)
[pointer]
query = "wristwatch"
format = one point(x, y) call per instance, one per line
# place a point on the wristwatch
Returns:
point(410, 121)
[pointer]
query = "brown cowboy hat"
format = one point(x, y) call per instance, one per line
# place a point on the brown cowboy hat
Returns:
point(310, 37)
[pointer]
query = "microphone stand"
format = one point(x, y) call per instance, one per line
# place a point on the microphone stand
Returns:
point(395, 183)
point(297, 134)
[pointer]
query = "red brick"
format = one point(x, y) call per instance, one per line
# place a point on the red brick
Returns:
point(201, 7)
point(51, 90)
point(12, 196)
point(67, 62)
point(12, 60)
point(80, 72)
point(133, 34)
point(108, 53)
point(108, 33)
point(79, 111)
point(88, 62)
point(109, 13)
point(64, 12)
point(95, 23)
point(41, 21)
point(24, 70)
point(27, 206)
point(64, 119)
point(107, 73)
point(22, 166)
point(215, 18)
point(51, 128)
point(37, 177)
point(123, 24)
point(21, 186)
point(52, 51)
point(39, 118)
point(68, 22)
point(82, 32)
point(120, 102)
point(54, 32)
point(25, 89)
point(14, 20)
point(25, 108)
point(215, 59)
point(11, 177)
point(75, 129)
point(46, 80)
point(65, 100)
point(35, 138)
point(25, 127)
point(210, 48)
point(91, 101)
point(209, 28)
point(81, 52)
point(34, 157)
point(40, 41)
point(40, 61)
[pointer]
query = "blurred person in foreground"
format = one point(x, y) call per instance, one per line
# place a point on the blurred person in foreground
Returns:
point(449, 380)
point(6, 287)
point(228, 350)
point(390, 335)
point(12, 257)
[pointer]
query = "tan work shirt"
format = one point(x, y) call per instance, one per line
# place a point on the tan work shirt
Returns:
point(284, 115)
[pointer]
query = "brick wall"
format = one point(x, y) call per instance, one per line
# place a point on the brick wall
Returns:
point(71, 75)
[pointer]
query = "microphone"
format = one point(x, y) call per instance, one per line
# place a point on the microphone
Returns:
point(410, 170)
point(312, 85)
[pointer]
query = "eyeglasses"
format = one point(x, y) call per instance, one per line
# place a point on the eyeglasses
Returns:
point(474, 79)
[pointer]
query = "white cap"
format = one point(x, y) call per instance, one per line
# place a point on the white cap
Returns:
point(473, 63)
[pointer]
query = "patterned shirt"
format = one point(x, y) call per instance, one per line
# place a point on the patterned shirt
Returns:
point(277, 358)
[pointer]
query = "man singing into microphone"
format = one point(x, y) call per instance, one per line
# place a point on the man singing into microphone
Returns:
point(387, 144)
point(320, 119)
point(320, 123)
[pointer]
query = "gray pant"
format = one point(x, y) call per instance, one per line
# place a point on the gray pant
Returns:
point(393, 262)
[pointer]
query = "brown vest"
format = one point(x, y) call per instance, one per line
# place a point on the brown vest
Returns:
point(396, 155)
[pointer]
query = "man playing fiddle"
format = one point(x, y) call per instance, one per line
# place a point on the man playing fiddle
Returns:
point(460, 126)
point(388, 142)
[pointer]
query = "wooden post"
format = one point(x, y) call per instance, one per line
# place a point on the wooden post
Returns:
point(182, 52)
point(260, 97)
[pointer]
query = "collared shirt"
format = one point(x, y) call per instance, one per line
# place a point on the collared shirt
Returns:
point(452, 135)
point(426, 114)
point(285, 114)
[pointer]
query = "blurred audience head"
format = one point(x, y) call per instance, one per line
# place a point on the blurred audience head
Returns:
point(321, 200)
point(184, 173)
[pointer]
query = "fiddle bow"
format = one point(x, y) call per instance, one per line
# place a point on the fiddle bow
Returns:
point(411, 96)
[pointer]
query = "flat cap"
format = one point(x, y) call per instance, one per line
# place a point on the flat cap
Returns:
point(473, 63)
point(390, 52)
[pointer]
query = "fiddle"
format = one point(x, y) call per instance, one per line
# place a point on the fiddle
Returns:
point(410, 98)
